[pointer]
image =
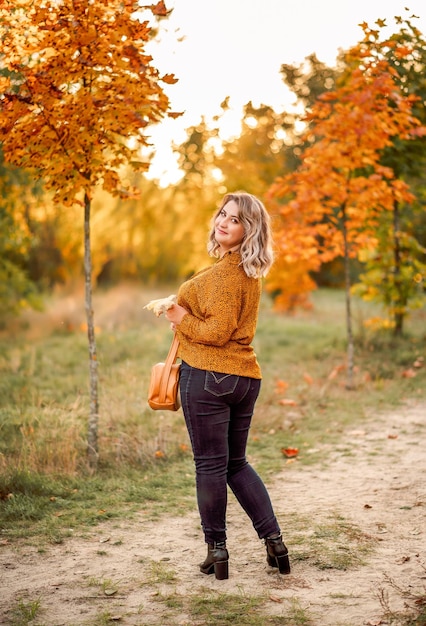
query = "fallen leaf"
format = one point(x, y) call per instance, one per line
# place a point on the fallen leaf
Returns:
point(335, 371)
point(391, 436)
point(410, 373)
point(287, 402)
point(275, 598)
point(308, 379)
point(281, 386)
point(290, 453)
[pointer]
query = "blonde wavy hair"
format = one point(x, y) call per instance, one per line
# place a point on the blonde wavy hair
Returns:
point(256, 247)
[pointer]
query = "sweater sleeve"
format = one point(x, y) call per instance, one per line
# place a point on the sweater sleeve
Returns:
point(219, 299)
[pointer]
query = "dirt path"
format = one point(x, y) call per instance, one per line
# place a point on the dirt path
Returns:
point(374, 481)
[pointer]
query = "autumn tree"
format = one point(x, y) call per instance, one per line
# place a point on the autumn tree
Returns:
point(394, 272)
point(78, 93)
point(331, 204)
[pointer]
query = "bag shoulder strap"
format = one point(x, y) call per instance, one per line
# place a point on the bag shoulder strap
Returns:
point(171, 358)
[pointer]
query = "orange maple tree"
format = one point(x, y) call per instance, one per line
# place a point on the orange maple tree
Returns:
point(78, 92)
point(329, 207)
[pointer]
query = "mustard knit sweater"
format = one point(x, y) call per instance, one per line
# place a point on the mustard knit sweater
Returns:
point(223, 305)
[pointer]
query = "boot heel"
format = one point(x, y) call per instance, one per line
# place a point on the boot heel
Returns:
point(221, 570)
point(216, 560)
point(277, 554)
point(283, 564)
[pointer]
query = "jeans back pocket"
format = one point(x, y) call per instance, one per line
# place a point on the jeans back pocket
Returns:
point(220, 384)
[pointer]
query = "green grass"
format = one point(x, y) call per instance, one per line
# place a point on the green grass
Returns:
point(106, 586)
point(55, 507)
point(160, 573)
point(213, 608)
point(47, 490)
point(24, 612)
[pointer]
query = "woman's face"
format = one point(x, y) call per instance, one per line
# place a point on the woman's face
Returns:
point(228, 230)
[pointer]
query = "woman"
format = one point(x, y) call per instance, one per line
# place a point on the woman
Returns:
point(215, 320)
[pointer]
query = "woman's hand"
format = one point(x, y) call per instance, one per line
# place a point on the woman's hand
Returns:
point(175, 315)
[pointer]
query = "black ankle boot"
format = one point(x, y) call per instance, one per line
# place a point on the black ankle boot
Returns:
point(216, 560)
point(277, 554)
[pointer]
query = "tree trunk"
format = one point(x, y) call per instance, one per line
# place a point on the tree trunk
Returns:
point(398, 315)
point(350, 341)
point(92, 436)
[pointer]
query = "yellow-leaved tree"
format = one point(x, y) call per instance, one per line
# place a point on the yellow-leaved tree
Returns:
point(78, 92)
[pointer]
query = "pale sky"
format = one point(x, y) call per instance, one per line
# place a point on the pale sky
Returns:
point(235, 48)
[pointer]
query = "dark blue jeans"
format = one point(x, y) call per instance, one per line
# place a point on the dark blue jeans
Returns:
point(218, 409)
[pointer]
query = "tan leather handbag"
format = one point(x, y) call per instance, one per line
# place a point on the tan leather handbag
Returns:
point(163, 393)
